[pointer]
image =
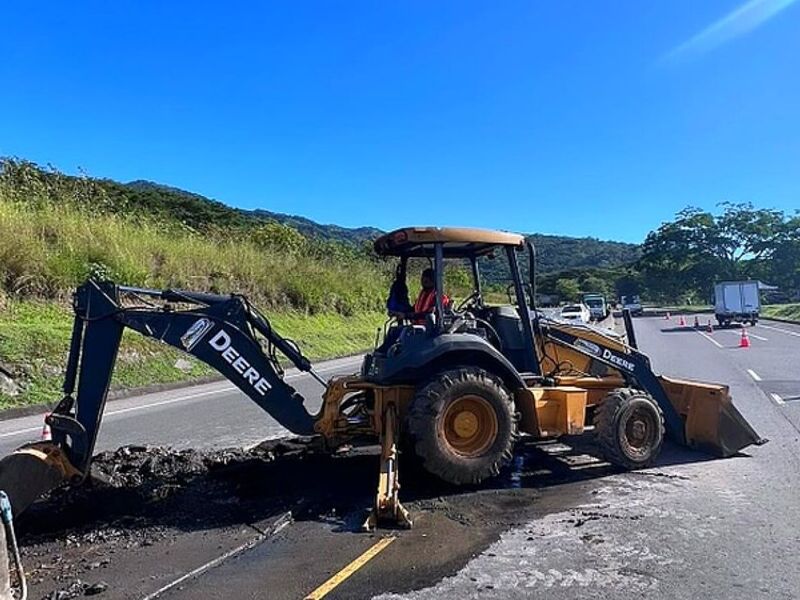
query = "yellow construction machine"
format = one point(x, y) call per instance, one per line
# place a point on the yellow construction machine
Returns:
point(455, 385)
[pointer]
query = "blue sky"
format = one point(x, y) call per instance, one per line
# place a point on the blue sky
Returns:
point(569, 117)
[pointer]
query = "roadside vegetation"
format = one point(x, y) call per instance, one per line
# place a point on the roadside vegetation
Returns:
point(683, 259)
point(320, 284)
point(57, 231)
point(680, 261)
point(34, 340)
point(790, 312)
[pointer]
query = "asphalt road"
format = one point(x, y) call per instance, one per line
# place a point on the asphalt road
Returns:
point(203, 416)
point(688, 528)
point(559, 523)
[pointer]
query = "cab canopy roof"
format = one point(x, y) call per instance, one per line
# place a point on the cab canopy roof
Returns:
point(457, 241)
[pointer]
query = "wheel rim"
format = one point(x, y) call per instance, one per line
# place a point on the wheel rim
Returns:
point(638, 432)
point(469, 426)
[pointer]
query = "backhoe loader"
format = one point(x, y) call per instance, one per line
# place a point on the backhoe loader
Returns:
point(455, 387)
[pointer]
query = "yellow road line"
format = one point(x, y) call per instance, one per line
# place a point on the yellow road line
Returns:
point(336, 580)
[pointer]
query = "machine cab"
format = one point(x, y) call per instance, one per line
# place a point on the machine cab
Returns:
point(501, 333)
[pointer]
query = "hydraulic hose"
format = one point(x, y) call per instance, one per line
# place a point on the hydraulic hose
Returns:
point(8, 521)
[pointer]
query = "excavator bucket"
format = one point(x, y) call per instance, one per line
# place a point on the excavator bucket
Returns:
point(712, 422)
point(33, 470)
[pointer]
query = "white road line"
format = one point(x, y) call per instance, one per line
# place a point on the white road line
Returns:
point(710, 339)
point(225, 389)
point(787, 331)
point(121, 411)
point(19, 431)
point(754, 375)
point(230, 388)
point(749, 334)
point(777, 399)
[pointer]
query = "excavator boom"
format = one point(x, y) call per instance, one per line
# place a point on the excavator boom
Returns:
point(225, 332)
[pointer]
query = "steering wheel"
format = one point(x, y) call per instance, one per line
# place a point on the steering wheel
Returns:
point(468, 302)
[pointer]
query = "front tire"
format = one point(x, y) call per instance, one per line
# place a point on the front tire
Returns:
point(629, 429)
point(462, 425)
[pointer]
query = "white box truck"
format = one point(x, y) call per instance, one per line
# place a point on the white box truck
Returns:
point(598, 309)
point(736, 301)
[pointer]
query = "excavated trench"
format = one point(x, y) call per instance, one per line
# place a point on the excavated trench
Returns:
point(137, 497)
point(141, 497)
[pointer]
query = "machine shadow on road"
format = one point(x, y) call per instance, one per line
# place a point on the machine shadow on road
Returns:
point(149, 488)
point(685, 329)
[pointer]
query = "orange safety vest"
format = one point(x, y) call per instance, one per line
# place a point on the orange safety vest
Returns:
point(426, 302)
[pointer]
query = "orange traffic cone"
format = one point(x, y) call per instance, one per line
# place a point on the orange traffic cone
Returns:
point(744, 342)
point(710, 327)
point(46, 434)
point(666, 316)
point(696, 322)
point(682, 322)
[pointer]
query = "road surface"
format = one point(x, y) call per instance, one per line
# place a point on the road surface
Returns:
point(559, 523)
point(203, 416)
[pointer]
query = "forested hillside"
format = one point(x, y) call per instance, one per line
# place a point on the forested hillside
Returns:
point(156, 202)
point(146, 233)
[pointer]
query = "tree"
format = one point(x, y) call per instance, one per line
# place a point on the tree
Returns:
point(568, 289)
point(278, 237)
point(592, 284)
point(685, 257)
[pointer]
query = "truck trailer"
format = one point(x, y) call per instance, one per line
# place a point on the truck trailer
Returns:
point(598, 309)
point(736, 301)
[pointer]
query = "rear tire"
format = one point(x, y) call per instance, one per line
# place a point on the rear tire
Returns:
point(462, 425)
point(629, 429)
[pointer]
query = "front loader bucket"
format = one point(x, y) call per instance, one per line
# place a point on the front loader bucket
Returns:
point(32, 471)
point(712, 422)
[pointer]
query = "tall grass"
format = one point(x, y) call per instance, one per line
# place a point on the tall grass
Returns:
point(56, 231)
point(48, 249)
point(35, 334)
point(782, 311)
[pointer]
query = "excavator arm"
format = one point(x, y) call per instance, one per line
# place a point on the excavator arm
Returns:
point(225, 332)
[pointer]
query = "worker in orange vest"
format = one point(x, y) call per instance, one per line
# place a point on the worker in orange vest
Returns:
point(426, 300)
point(400, 308)
point(425, 303)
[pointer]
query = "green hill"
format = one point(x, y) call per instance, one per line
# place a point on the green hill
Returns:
point(559, 253)
point(555, 252)
point(319, 283)
point(155, 201)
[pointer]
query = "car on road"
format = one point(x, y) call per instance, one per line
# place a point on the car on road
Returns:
point(576, 312)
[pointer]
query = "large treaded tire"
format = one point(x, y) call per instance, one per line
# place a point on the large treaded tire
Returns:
point(432, 409)
point(623, 412)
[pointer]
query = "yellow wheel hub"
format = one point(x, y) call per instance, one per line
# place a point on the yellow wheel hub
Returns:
point(465, 424)
point(469, 426)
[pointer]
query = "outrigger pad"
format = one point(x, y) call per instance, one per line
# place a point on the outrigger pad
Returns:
point(713, 424)
point(31, 471)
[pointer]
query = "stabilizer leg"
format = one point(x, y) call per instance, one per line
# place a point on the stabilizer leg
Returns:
point(387, 504)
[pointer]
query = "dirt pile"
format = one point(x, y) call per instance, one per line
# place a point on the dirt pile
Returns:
point(138, 496)
point(139, 487)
